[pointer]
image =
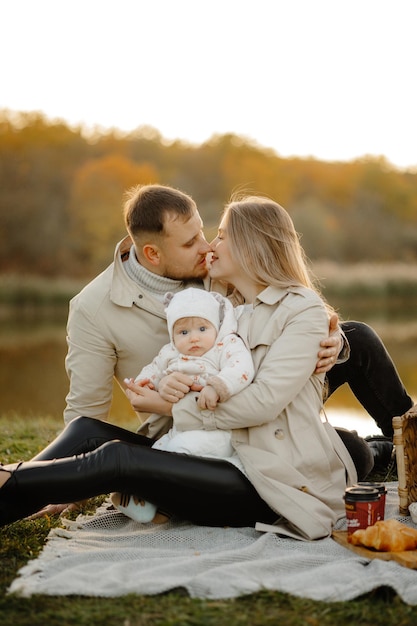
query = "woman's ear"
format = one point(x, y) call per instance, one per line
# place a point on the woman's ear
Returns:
point(151, 254)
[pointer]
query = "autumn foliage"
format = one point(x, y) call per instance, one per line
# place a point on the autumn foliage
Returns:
point(61, 194)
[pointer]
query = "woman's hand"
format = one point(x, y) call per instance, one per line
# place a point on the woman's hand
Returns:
point(57, 509)
point(332, 346)
point(145, 399)
point(175, 386)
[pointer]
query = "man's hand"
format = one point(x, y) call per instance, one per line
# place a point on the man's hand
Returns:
point(332, 346)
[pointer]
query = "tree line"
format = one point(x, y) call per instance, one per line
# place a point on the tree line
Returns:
point(61, 194)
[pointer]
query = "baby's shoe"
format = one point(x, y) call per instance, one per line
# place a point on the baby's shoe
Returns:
point(131, 506)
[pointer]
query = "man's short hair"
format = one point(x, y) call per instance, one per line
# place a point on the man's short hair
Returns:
point(147, 206)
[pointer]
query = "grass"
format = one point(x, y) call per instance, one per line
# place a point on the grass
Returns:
point(22, 437)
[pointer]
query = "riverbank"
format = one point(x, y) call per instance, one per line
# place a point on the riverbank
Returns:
point(385, 281)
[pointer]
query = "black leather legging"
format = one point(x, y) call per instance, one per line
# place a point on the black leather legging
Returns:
point(91, 457)
point(372, 376)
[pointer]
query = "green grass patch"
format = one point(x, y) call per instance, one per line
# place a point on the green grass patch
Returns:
point(23, 436)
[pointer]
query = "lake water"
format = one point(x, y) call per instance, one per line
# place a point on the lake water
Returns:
point(33, 379)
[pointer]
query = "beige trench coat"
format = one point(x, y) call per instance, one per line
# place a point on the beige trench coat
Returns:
point(278, 432)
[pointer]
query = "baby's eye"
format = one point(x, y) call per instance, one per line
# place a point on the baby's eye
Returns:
point(183, 332)
point(203, 328)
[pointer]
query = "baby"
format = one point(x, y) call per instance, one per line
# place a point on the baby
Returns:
point(204, 345)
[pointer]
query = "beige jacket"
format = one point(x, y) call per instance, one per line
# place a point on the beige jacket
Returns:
point(114, 329)
point(287, 452)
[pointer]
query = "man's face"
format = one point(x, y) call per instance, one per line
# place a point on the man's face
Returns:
point(183, 248)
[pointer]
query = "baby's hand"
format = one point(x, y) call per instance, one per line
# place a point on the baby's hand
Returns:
point(208, 398)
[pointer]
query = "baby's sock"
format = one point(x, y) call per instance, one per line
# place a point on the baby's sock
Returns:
point(138, 510)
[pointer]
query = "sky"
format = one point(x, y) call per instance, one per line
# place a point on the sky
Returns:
point(332, 79)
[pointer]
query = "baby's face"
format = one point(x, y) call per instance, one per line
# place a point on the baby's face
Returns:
point(193, 336)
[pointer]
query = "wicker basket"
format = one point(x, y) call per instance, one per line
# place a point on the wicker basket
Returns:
point(405, 441)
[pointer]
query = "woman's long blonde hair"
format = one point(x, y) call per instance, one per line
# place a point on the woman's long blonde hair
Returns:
point(265, 244)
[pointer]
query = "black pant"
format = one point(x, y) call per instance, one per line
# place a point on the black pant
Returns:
point(108, 458)
point(372, 376)
point(91, 457)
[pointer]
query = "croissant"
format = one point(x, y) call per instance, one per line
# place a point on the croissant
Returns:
point(386, 536)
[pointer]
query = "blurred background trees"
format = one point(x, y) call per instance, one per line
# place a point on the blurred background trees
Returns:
point(61, 194)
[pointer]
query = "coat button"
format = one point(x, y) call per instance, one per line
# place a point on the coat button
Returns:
point(279, 433)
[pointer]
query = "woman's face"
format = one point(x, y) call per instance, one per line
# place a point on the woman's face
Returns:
point(222, 265)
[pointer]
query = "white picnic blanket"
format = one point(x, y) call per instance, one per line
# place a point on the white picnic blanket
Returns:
point(109, 555)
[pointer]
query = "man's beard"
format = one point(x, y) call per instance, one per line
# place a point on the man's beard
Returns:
point(187, 277)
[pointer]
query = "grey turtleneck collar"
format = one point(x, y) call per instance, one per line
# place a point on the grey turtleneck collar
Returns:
point(156, 285)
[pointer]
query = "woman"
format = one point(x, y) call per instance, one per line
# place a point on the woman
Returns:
point(292, 476)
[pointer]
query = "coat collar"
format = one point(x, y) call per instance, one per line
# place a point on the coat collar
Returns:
point(273, 295)
point(124, 291)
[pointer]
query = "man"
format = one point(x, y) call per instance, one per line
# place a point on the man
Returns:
point(117, 324)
